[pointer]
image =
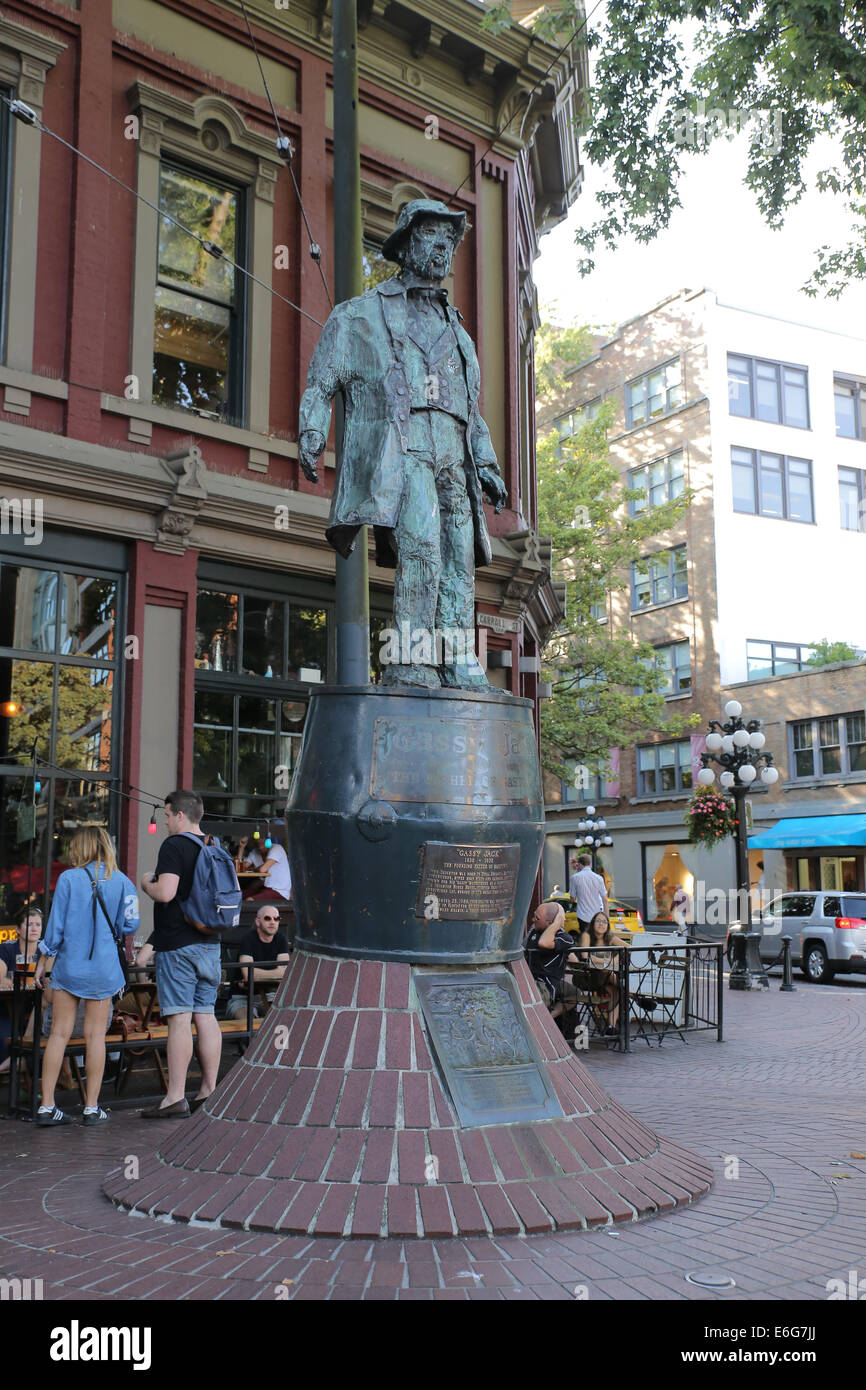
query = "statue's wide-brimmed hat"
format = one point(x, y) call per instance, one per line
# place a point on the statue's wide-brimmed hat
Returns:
point(410, 212)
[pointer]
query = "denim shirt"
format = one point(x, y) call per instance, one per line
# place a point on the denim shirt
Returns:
point(87, 964)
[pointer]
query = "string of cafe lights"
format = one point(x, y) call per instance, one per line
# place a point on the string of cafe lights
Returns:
point(147, 799)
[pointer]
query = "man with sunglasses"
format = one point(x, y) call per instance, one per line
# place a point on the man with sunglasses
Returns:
point(266, 948)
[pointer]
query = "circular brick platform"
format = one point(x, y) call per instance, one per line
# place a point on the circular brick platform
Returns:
point(336, 1123)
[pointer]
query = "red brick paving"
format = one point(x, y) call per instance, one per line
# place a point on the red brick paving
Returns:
point(302, 1083)
point(783, 1096)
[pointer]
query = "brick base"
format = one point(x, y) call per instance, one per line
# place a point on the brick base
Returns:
point(336, 1123)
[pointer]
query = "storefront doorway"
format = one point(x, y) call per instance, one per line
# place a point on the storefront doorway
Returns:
point(843, 871)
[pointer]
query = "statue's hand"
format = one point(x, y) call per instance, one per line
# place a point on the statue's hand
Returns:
point(494, 488)
point(310, 446)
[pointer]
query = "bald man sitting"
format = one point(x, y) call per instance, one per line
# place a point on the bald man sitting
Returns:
point(548, 949)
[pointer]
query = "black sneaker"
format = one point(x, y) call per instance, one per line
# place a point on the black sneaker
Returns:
point(56, 1116)
point(96, 1117)
point(611, 1032)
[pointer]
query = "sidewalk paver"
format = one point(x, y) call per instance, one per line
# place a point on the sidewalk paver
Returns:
point(780, 1104)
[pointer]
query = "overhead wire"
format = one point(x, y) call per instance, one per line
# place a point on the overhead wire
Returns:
point(286, 152)
point(25, 113)
point(533, 89)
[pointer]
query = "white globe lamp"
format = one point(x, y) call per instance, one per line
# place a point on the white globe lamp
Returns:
point(741, 738)
point(588, 840)
point(747, 774)
point(757, 739)
point(714, 743)
point(727, 744)
point(727, 779)
point(590, 810)
point(733, 709)
point(706, 776)
point(769, 775)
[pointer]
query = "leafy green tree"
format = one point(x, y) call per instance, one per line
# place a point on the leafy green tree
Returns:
point(596, 672)
point(558, 348)
point(825, 652)
point(672, 76)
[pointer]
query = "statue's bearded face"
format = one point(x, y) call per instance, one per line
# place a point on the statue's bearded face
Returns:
point(430, 248)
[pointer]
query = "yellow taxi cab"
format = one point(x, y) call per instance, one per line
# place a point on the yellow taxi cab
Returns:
point(622, 917)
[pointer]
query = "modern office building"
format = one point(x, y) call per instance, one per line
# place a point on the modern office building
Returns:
point(764, 421)
point(166, 588)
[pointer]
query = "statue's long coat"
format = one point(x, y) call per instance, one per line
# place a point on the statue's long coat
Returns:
point(361, 352)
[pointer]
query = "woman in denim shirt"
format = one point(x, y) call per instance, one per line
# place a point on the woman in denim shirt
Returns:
point(86, 965)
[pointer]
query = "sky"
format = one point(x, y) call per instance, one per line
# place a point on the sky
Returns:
point(717, 239)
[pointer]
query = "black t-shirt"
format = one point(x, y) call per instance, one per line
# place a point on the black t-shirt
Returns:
point(8, 954)
point(263, 953)
point(177, 855)
point(545, 965)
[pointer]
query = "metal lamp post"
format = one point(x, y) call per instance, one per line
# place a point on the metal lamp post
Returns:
point(591, 834)
point(737, 748)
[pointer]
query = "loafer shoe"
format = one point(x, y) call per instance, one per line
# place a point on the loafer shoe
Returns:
point(198, 1103)
point(178, 1111)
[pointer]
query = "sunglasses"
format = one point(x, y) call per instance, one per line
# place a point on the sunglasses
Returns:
point(270, 919)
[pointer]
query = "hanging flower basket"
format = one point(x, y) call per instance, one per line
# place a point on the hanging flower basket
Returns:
point(711, 817)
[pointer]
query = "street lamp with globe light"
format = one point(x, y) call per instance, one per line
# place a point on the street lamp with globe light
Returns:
point(591, 834)
point(737, 748)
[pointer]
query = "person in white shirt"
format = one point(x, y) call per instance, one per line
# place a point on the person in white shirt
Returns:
point(588, 891)
point(273, 868)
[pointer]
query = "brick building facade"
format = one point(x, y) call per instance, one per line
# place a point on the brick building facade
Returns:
point(166, 623)
point(718, 399)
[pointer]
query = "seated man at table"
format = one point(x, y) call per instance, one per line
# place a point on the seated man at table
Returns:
point(548, 950)
point(265, 947)
point(265, 870)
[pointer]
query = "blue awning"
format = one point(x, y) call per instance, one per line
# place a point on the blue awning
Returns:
point(805, 832)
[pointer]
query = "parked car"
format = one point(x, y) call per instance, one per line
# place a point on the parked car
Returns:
point(827, 931)
point(622, 917)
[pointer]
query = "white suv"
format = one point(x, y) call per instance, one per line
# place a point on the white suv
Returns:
point(827, 931)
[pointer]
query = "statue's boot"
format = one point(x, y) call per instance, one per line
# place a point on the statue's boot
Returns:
point(464, 675)
point(427, 677)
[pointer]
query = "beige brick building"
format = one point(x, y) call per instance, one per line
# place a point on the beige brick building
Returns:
point(761, 420)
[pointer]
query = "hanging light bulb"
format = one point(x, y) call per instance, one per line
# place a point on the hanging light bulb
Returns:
point(268, 840)
point(257, 834)
point(151, 829)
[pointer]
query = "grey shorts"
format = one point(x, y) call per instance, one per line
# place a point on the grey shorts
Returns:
point(187, 979)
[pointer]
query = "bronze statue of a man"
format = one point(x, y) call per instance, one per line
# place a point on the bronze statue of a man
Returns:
point(416, 454)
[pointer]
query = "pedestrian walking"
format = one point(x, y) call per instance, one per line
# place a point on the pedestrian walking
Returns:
point(95, 906)
point(588, 891)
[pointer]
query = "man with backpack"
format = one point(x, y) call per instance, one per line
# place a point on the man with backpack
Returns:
point(195, 893)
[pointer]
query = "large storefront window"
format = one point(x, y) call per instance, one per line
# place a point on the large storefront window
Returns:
point(252, 635)
point(257, 653)
point(59, 644)
point(244, 752)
